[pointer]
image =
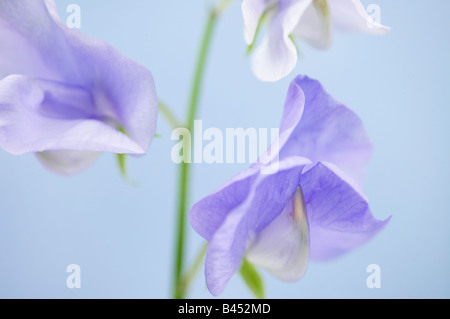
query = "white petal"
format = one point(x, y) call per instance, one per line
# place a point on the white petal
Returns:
point(350, 15)
point(315, 26)
point(282, 247)
point(67, 162)
point(252, 11)
point(276, 57)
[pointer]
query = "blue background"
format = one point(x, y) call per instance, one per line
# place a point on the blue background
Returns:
point(122, 236)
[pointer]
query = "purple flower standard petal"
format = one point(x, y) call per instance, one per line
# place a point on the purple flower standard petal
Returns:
point(293, 111)
point(325, 129)
point(29, 36)
point(317, 126)
point(122, 93)
point(277, 220)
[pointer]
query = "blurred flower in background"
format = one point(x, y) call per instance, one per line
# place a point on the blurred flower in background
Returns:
point(311, 20)
point(67, 97)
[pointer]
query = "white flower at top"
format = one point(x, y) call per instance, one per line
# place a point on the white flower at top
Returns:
point(311, 20)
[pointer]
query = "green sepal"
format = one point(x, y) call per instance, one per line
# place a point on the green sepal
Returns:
point(253, 279)
point(258, 28)
point(122, 162)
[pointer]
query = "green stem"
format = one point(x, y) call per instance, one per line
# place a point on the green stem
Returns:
point(189, 276)
point(179, 290)
point(167, 113)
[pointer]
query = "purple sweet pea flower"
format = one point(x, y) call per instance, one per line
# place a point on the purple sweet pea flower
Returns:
point(311, 20)
point(67, 97)
point(311, 207)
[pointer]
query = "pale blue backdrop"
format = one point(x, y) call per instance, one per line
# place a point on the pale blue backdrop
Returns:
point(122, 236)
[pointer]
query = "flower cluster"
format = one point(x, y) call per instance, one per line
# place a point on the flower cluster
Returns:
point(67, 98)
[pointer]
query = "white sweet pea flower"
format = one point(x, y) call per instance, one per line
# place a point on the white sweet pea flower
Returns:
point(311, 20)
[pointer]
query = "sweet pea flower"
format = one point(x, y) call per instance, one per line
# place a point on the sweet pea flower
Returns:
point(311, 20)
point(310, 207)
point(67, 97)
